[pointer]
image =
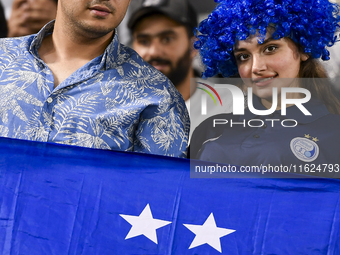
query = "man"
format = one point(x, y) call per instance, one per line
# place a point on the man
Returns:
point(162, 34)
point(74, 83)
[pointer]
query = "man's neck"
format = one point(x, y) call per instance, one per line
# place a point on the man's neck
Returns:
point(66, 45)
point(65, 52)
point(185, 87)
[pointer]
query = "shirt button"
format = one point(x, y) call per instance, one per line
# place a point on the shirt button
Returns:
point(256, 136)
point(264, 126)
point(49, 100)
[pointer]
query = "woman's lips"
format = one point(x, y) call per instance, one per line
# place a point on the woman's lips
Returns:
point(263, 81)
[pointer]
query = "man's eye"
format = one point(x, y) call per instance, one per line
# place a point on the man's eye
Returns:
point(144, 42)
point(166, 39)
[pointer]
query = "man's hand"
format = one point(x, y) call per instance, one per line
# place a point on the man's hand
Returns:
point(29, 16)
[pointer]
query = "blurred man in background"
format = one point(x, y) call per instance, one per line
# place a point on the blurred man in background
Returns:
point(163, 35)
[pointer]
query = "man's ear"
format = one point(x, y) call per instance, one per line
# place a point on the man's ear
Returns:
point(193, 51)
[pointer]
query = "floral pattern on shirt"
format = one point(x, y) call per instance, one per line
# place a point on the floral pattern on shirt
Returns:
point(116, 101)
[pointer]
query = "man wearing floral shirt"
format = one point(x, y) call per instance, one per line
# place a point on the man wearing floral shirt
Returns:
point(74, 83)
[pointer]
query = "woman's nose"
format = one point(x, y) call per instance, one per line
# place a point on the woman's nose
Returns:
point(258, 65)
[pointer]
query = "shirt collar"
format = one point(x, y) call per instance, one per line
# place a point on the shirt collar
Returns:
point(314, 106)
point(110, 54)
point(39, 37)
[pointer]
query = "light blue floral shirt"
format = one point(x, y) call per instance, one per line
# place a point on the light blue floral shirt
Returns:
point(116, 101)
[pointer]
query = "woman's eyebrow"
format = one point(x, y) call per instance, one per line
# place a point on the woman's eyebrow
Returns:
point(268, 40)
point(264, 42)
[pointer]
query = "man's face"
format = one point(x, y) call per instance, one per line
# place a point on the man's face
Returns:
point(165, 44)
point(92, 17)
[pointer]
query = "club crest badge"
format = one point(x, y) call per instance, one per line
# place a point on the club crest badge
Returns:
point(304, 149)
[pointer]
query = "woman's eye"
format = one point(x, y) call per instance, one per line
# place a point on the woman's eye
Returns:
point(271, 48)
point(242, 57)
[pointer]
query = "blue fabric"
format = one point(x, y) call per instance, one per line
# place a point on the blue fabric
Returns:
point(58, 199)
point(116, 101)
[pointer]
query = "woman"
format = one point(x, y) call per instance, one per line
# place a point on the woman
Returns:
point(271, 44)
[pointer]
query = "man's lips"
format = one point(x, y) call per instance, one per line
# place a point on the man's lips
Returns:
point(160, 65)
point(100, 10)
point(159, 62)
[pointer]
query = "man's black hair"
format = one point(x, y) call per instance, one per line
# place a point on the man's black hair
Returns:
point(3, 23)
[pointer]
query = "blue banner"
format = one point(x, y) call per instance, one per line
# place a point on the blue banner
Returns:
point(59, 200)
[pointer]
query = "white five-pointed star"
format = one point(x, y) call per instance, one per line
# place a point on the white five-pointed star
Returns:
point(208, 233)
point(144, 224)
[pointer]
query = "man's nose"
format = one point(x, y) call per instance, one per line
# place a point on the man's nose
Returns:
point(155, 49)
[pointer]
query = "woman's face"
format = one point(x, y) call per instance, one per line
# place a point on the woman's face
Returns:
point(261, 66)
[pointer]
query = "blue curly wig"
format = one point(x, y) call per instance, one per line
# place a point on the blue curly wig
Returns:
point(310, 23)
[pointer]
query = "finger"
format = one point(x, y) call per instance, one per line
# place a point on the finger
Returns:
point(17, 17)
point(42, 4)
point(18, 3)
